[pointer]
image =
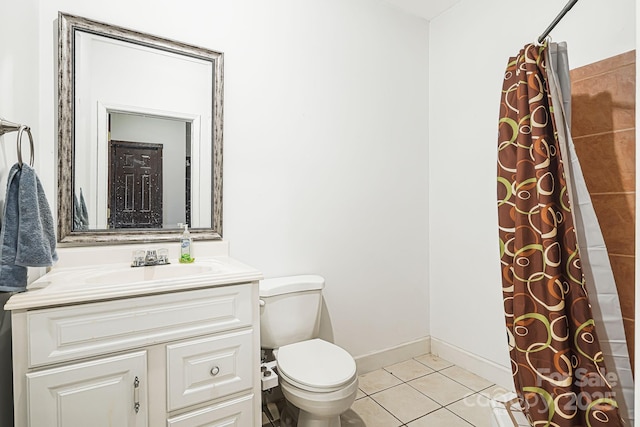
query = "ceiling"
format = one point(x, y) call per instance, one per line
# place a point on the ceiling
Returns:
point(427, 9)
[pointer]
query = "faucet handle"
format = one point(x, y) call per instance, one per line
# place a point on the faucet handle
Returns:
point(163, 256)
point(151, 256)
point(137, 258)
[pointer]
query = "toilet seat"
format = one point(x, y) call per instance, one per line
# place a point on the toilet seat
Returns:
point(316, 365)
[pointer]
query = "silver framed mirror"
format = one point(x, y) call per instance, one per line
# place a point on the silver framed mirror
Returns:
point(139, 135)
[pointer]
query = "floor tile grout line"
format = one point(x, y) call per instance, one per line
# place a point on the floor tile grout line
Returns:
point(429, 413)
point(476, 391)
point(385, 368)
point(442, 405)
point(434, 370)
point(435, 410)
point(406, 381)
point(463, 398)
point(430, 367)
point(462, 418)
point(472, 392)
point(391, 413)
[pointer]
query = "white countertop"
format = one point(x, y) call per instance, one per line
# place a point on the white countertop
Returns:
point(74, 285)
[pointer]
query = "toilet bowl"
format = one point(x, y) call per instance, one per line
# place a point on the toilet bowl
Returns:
point(317, 377)
point(320, 379)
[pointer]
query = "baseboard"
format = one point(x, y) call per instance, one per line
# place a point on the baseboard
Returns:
point(379, 359)
point(485, 368)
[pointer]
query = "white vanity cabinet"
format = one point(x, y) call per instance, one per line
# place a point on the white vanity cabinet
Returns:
point(184, 358)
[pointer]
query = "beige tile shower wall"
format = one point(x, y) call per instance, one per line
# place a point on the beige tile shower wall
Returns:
point(603, 130)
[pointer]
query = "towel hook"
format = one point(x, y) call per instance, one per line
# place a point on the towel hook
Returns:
point(6, 126)
point(19, 145)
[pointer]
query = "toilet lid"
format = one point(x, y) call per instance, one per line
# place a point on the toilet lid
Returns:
point(317, 364)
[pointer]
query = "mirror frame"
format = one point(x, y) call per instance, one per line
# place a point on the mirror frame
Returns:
point(67, 26)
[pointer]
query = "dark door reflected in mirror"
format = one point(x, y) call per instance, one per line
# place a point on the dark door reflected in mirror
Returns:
point(135, 185)
point(149, 172)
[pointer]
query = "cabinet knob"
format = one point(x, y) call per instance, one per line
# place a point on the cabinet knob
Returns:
point(215, 371)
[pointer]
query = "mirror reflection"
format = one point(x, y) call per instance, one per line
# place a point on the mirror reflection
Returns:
point(147, 187)
point(141, 130)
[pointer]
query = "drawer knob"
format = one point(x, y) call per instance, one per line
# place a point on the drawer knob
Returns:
point(215, 371)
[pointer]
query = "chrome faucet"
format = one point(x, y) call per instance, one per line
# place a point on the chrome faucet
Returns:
point(150, 257)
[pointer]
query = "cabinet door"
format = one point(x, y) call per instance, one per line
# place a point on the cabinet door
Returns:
point(99, 393)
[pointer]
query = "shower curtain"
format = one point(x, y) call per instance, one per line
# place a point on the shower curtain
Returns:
point(557, 358)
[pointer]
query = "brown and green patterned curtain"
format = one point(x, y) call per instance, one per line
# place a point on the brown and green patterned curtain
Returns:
point(556, 360)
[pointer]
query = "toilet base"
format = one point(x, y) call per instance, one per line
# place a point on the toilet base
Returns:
point(305, 419)
point(319, 409)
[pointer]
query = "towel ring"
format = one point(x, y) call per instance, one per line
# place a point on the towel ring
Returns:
point(19, 144)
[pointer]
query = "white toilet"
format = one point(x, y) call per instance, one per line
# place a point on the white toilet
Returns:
point(316, 376)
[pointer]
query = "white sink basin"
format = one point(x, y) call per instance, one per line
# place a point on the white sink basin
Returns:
point(155, 273)
point(70, 285)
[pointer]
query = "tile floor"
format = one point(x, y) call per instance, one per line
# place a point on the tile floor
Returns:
point(419, 392)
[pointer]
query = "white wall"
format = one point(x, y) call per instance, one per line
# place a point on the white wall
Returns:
point(469, 48)
point(325, 141)
point(18, 95)
point(19, 65)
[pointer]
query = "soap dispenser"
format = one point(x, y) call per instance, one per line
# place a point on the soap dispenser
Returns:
point(185, 245)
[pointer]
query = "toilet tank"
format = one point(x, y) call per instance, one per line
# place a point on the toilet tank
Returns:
point(291, 309)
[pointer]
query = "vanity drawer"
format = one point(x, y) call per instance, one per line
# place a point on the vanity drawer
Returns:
point(66, 333)
point(236, 412)
point(209, 368)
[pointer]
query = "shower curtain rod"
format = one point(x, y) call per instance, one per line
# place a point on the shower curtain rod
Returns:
point(551, 26)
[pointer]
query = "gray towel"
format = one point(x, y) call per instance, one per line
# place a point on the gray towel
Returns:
point(84, 214)
point(27, 238)
point(80, 213)
point(77, 215)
